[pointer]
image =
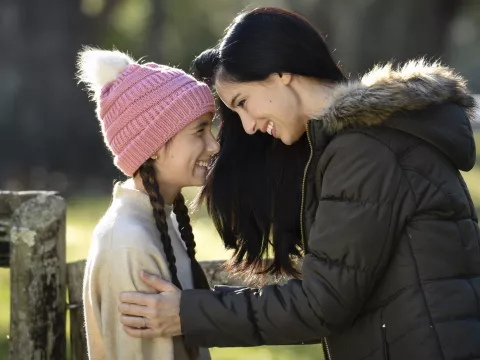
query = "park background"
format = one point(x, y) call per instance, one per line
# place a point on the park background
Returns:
point(50, 138)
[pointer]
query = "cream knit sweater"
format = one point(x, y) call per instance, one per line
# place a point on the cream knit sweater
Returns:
point(125, 242)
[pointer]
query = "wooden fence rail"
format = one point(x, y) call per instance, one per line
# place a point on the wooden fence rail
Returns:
point(32, 244)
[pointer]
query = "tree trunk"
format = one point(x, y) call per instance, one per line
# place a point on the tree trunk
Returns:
point(404, 30)
point(154, 41)
point(363, 33)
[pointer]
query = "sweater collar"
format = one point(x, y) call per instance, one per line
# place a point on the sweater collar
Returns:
point(126, 193)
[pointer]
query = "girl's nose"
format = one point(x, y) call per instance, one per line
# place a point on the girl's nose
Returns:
point(213, 146)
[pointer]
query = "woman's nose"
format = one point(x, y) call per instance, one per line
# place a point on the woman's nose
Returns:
point(249, 124)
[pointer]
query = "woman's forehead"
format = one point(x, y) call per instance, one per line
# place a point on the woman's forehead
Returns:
point(224, 85)
point(226, 90)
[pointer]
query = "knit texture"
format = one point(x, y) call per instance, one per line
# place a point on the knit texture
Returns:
point(145, 107)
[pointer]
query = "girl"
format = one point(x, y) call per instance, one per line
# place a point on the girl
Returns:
point(156, 121)
point(390, 236)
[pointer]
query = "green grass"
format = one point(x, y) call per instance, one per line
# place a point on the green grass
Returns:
point(473, 177)
point(477, 141)
point(5, 311)
point(84, 213)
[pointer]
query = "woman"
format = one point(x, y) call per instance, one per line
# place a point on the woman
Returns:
point(391, 268)
point(156, 120)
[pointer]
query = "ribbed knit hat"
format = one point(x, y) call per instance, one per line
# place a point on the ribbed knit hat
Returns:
point(140, 106)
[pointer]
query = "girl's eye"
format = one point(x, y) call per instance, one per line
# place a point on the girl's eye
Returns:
point(241, 103)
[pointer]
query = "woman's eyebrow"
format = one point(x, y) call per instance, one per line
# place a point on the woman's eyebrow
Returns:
point(232, 103)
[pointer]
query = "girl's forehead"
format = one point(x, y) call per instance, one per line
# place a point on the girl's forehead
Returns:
point(204, 118)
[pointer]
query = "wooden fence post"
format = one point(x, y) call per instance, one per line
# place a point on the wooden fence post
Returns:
point(78, 339)
point(38, 276)
point(9, 201)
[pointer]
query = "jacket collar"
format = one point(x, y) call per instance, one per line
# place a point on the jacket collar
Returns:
point(384, 91)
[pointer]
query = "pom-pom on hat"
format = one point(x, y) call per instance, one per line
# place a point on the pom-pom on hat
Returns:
point(140, 106)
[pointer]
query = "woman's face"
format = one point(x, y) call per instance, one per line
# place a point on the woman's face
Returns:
point(271, 106)
point(183, 161)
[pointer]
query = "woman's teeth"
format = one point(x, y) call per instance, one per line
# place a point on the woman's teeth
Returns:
point(270, 128)
point(202, 163)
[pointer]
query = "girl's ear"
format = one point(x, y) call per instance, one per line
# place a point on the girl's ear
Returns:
point(285, 78)
point(157, 154)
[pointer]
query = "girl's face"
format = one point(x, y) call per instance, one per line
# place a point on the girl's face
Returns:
point(184, 160)
point(271, 106)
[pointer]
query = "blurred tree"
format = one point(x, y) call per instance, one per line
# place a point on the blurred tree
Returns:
point(404, 30)
point(50, 126)
point(464, 44)
point(50, 135)
point(155, 45)
point(371, 31)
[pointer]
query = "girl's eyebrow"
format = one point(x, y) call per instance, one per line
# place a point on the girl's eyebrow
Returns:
point(201, 124)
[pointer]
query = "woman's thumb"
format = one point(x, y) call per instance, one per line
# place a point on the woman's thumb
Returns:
point(156, 282)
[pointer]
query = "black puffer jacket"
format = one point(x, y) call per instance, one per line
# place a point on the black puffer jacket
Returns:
point(393, 263)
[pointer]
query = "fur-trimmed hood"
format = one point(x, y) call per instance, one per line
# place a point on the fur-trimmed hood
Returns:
point(401, 98)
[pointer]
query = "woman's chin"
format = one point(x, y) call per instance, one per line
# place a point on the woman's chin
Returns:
point(291, 138)
point(287, 140)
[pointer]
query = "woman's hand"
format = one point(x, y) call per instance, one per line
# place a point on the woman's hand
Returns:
point(151, 315)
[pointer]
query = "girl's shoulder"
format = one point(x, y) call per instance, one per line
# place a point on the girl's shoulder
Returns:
point(124, 225)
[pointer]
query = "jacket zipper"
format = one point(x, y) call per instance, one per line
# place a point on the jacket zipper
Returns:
point(303, 189)
point(329, 355)
point(326, 347)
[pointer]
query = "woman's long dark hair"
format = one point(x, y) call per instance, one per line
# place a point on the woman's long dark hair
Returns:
point(253, 190)
point(147, 174)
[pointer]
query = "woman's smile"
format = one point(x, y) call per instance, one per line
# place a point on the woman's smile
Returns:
point(271, 130)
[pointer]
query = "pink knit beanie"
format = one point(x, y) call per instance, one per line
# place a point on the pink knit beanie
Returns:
point(140, 106)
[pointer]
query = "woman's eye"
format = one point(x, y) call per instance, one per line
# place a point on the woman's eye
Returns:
point(241, 103)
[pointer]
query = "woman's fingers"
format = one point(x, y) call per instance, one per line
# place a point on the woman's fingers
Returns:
point(158, 312)
point(140, 333)
point(134, 321)
point(156, 282)
point(134, 310)
point(145, 299)
point(137, 298)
